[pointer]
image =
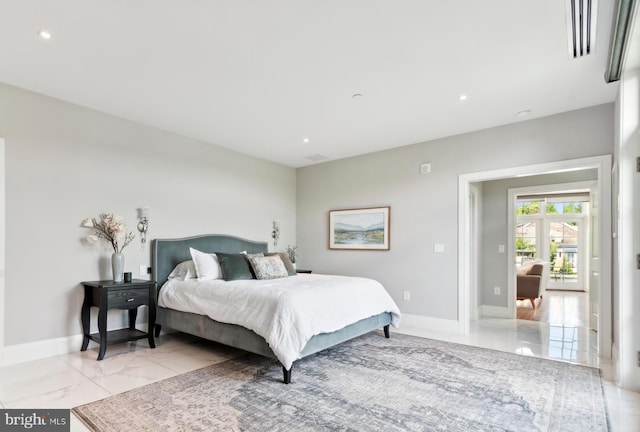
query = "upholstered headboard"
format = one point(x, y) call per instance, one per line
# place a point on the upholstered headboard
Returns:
point(168, 253)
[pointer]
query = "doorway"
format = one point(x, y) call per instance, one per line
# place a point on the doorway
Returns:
point(601, 253)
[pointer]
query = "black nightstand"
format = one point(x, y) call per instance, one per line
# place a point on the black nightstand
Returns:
point(107, 295)
point(303, 271)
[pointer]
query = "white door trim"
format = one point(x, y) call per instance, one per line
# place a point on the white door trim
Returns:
point(603, 165)
point(2, 247)
point(474, 202)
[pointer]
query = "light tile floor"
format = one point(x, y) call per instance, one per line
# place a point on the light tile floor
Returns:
point(77, 378)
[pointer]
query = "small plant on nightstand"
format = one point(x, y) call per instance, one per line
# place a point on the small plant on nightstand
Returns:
point(292, 251)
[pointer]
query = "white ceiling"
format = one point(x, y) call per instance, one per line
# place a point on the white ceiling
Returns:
point(258, 76)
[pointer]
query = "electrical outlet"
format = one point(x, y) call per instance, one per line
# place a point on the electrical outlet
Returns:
point(143, 270)
point(496, 290)
point(406, 295)
point(500, 248)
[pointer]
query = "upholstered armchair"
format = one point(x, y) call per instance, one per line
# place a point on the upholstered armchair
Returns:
point(530, 283)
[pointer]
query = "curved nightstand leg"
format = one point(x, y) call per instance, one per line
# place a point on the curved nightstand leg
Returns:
point(386, 331)
point(102, 330)
point(152, 326)
point(133, 315)
point(85, 314)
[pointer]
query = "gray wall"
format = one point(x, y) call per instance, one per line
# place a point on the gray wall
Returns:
point(424, 207)
point(65, 163)
point(494, 229)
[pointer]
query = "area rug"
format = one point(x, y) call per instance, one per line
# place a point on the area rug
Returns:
point(371, 383)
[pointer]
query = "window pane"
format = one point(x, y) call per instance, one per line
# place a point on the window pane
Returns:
point(525, 242)
point(528, 207)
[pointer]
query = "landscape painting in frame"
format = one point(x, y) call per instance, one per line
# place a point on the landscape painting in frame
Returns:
point(361, 229)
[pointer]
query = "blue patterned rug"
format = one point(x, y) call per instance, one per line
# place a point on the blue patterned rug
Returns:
point(371, 383)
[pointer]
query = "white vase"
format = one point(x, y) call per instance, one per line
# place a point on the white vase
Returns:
point(117, 267)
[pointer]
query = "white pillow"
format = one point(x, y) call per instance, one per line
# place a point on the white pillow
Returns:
point(183, 271)
point(523, 270)
point(207, 265)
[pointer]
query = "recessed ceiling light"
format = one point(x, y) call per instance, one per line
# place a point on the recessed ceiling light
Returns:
point(462, 97)
point(305, 139)
point(523, 113)
point(356, 95)
point(44, 34)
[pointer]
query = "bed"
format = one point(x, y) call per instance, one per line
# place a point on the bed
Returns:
point(168, 253)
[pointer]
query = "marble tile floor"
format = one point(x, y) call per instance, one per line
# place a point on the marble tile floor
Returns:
point(77, 378)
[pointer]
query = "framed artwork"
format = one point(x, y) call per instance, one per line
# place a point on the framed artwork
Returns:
point(359, 229)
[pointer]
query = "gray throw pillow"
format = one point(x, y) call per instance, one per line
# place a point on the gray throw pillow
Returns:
point(234, 266)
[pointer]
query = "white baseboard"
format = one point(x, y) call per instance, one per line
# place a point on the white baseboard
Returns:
point(14, 354)
point(421, 322)
point(495, 311)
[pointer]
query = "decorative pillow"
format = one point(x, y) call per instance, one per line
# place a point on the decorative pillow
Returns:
point(248, 256)
point(269, 267)
point(234, 266)
point(287, 262)
point(207, 266)
point(523, 270)
point(183, 271)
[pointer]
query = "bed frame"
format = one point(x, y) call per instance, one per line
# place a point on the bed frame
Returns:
point(167, 253)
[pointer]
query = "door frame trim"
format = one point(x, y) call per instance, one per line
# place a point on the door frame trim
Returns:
point(603, 165)
point(2, 245)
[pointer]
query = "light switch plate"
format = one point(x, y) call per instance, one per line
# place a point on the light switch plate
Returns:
point(500, 248)
point(143, 270)
point(438, 248)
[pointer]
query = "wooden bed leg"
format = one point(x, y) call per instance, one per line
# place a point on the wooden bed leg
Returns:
point(157, 328)
point(286, 375)
point(386, 331)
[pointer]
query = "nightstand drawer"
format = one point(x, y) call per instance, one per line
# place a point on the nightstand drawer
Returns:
point(128, 298)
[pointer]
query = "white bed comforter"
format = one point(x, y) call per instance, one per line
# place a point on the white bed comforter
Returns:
point(286, 312)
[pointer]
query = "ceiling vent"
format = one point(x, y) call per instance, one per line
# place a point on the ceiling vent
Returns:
point(316, 158)
point(581, 26)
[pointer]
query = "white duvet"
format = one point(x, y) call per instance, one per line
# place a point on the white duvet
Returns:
point(286, 312)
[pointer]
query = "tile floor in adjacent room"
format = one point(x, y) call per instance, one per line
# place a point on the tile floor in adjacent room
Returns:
point(77, 378)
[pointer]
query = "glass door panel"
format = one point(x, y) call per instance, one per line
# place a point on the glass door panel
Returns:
point(565, 254)
point(526, 241)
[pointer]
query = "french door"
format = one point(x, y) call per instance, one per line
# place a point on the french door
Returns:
point(566, 253)
point(560, 241)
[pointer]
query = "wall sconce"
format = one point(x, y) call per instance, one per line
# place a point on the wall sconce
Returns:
point(143, 225)
point(275, 234)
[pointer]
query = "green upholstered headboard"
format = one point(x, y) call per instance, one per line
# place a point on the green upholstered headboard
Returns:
point(168, 253)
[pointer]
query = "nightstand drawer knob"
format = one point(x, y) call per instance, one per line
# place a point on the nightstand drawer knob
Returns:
point(131, 299)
